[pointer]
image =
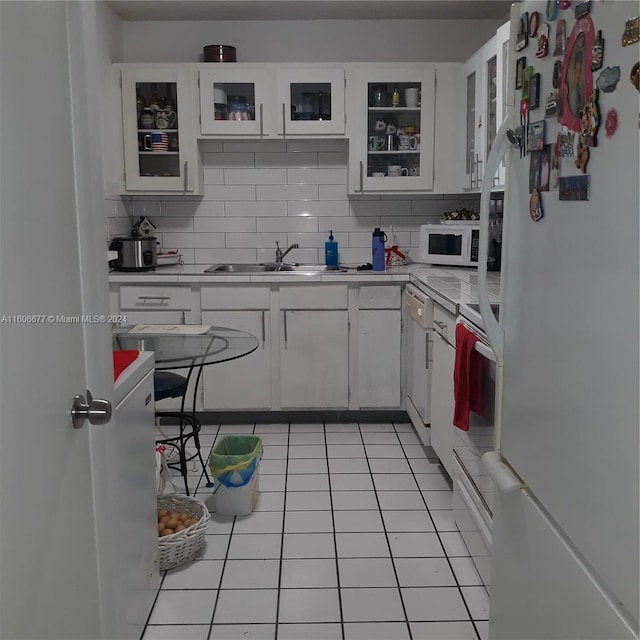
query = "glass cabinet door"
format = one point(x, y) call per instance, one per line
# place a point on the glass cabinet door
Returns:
point(157, 130)
point(397, 142)
point(492, 102)
point(234, 101)
point(310, 101)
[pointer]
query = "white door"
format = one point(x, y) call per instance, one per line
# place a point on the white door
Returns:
point(57, 565)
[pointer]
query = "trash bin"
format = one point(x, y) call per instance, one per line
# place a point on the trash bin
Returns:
point(234, 465)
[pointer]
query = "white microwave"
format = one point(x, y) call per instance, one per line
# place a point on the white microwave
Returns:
point(455, 243)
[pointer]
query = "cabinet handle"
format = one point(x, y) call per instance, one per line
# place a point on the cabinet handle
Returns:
point(154, 298)
point(284, 120)
point(264, 336)
point(186, 174)
point(470, 159)
point(426, 352)
point(478, 165)
point(284, 324)
point(261, 120)
point(440, 325)
point(183, 318)
point(361, 176)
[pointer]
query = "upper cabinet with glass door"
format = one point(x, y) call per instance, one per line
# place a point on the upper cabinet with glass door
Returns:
point(235, 100)
point(486, 76)
point(391, 123)
point(160, 154)
point(271, 101)
point(310, 101)
point(503, 79)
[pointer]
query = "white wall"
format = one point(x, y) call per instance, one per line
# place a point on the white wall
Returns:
point(309, 40)
point(293, 192)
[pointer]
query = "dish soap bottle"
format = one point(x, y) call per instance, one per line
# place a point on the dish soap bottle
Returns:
point(331, 251)
point(377, 249)
point(395, 97)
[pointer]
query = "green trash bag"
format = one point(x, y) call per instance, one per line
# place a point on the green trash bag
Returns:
point(234, 459)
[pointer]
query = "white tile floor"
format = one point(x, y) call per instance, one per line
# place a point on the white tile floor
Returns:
point(353, 538)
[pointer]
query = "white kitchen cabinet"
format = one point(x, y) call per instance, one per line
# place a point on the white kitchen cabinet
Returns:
point(314, 359)
point(442, 404)
point(314, 346)
point(249, 87)
point(271, 101)
point(310, 101)
point(473, 73)
point(503, 79)
point(377, 101)
point(245, 383)
point(486, 79)
point(160, 153)
point(161, 304)
point(379, 358)
point(137, 514)
point(379, 347)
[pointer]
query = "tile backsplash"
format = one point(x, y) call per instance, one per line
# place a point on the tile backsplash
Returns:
point(295, 191)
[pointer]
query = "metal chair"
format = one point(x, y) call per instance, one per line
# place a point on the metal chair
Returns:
point(172, 385)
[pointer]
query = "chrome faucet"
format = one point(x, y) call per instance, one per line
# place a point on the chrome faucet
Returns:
point(280, 254)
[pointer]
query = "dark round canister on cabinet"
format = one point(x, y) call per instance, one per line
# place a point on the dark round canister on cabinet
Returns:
point(219, 53)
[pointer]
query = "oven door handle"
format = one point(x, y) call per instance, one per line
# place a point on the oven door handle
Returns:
point(503, 476)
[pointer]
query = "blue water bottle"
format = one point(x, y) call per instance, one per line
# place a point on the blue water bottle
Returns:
point(377, 247)
point(331, 251)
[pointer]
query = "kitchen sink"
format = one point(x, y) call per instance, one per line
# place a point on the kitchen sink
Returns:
point(237, 268)
point(273, 267)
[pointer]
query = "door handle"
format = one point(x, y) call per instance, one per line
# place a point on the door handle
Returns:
point(284, 120)
point(95, 410)
point(261, 120)
point(426, 352)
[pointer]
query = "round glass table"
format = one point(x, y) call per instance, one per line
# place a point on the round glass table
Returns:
point(186, 347)
point(180, 350)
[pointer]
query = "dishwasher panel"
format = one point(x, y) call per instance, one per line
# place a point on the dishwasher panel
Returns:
point(418, 309)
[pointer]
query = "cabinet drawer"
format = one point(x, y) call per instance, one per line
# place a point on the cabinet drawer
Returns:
point(226, 297)
point(379, 297)
point(322, 296)
point(151, 297)
point(444, 323)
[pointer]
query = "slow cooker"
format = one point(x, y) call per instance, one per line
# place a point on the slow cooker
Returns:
point(135, 254)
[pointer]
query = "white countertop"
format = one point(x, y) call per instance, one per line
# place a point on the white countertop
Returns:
point(449, 286)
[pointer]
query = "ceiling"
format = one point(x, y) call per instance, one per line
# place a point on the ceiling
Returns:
point(135, 10)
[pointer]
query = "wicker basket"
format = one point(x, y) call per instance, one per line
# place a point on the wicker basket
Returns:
point(183, 546)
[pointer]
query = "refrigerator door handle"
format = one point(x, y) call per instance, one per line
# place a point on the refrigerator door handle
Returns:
point(499, 149)
point(504, 478)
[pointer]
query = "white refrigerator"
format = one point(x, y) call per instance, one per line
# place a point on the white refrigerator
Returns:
point(565, 563)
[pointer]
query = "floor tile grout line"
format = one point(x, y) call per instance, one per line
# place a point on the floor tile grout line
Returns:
point(284, 515)
point(386, 536)
point(224, 566)
point(335, 536)
point(446, 553)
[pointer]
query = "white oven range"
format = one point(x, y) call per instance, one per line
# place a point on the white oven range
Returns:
point(473, 488)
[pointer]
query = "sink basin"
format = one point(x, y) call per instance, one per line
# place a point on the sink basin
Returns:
point(273, 267)
point(237, 268)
